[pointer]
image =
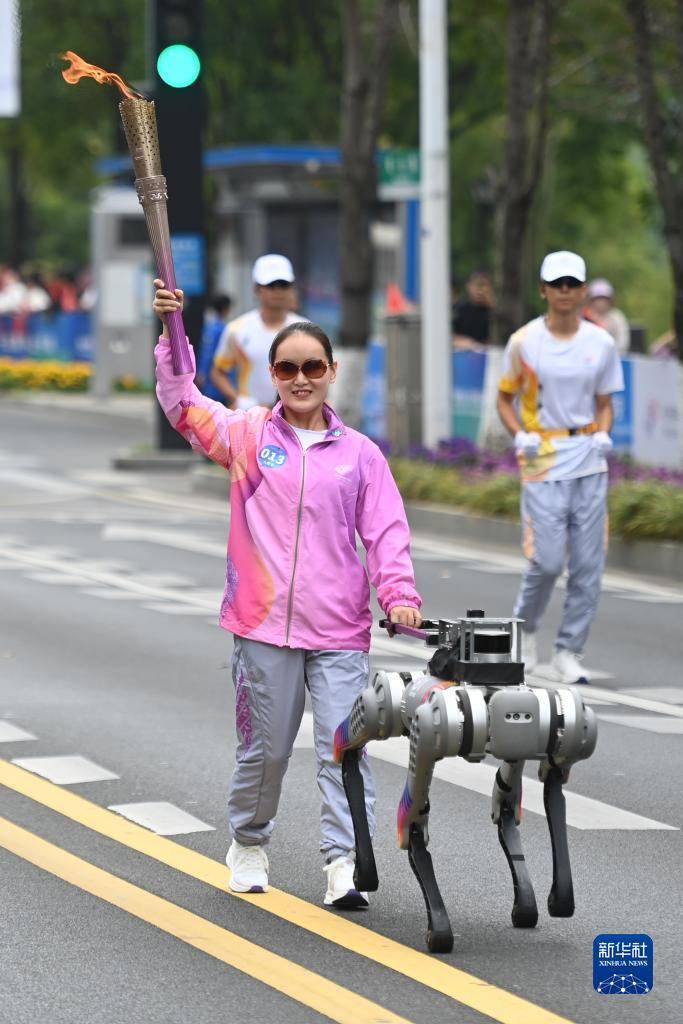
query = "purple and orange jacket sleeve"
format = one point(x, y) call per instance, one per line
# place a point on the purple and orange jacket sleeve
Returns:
point(207, 425)
point(382, 525)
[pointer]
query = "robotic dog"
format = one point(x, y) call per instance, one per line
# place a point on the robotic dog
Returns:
point(473, 701)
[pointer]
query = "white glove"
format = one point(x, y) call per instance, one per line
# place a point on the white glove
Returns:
point(602, 443)
point(245, 402)
point(527, 444)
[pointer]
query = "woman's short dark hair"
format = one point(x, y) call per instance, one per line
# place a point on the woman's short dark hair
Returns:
point(301, 327)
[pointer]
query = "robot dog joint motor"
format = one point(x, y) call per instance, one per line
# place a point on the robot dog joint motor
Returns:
point(471, 702)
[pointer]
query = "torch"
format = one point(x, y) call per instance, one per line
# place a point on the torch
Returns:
point(140, 126)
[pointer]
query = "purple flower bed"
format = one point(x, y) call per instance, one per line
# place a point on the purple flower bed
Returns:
point(463, 454)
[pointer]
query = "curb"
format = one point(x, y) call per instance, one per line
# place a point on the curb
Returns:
point(642, 557)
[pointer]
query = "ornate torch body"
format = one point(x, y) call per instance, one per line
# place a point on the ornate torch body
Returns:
point(140, 126)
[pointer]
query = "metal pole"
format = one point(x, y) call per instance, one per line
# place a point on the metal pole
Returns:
point(435, 232)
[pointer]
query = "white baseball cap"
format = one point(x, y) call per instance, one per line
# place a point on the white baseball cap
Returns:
point(563, 264)
point(272, 267)
point(600, 288)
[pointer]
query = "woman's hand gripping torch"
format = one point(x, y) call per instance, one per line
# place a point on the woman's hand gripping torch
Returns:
point(140, 126)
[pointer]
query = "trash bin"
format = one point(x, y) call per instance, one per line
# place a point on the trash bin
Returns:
point(404, 381)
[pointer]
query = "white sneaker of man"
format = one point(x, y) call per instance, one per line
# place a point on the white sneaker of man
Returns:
point(529, 651)
point(568, 667)
point(248, 868)
point(341, 888)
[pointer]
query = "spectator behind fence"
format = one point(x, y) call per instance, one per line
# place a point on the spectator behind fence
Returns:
point(602, 311)
point(12, 291)
point(471, 318)
point(214, 325)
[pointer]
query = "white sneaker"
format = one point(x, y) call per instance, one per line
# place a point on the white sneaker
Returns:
point(529, 651)
point(568, 667)
point(248, 868)
point(341, 889)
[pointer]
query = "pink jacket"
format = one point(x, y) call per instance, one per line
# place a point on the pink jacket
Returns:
point(294, 577)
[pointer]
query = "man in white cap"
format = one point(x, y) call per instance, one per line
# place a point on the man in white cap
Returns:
point(245, 342)
point(563, 370)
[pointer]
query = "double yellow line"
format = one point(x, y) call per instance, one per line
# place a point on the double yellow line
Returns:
point(306, 987)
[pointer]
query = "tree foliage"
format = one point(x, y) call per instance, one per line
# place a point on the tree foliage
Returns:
point(273, 72)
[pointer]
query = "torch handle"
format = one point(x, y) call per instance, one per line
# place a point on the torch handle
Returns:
point(152, 195)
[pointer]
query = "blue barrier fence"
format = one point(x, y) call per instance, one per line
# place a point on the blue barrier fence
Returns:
point(62, 336)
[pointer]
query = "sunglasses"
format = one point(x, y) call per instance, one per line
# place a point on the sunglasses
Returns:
point(314, 369)
point(277, 284)
point(562, 282)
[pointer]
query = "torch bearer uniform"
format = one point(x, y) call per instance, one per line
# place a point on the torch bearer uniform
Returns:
point(564, 488)
point(297, 596)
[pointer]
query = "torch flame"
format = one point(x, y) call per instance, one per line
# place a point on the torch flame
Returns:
point(81, 69)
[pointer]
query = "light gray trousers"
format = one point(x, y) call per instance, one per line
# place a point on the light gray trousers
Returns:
point(270, 684)
point(564, 520)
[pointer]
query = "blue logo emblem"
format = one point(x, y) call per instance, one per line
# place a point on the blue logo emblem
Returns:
point(272, 456)
point(623, 964)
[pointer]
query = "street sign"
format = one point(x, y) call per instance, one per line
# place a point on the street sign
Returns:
point(398, 174)
point(189, 261)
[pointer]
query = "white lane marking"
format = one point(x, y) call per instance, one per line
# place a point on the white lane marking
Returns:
point(613, 582)
point(66, 770)
point(162, 817)
point(547, 674)
point(109, 594)
point(41, 481)
point(171, 608)
point(179, 539)
point(34, 558)
point(649, 723)
point(582, 811)
point(651, 598)
point(11, 733)
point(668, 694)
point(64, 579)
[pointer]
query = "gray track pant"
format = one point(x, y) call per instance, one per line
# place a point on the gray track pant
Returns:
point(270, 684)
point(564, 520)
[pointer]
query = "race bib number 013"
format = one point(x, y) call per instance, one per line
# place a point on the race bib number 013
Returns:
point(272, 456)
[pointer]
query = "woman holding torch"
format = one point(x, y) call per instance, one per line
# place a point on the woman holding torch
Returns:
point(296, 594)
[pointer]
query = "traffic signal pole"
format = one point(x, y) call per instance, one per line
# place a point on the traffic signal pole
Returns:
point(435, 227)
point(180, 112)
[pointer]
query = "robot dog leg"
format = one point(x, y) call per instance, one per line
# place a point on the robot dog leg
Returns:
point(376, 714)
point(574, 733)
point(506, 813)
point(436, 732)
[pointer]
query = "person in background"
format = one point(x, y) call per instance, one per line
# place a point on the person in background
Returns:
point(36, 298)
point(214, 325)
point(564, 370)
point(471, 319)
point(602, 311)
point(244, 344)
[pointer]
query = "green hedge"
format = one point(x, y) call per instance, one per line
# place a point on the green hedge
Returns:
point(638, 511)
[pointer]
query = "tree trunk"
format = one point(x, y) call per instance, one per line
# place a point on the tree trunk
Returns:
point(366, 68)
point(527, 60)
point(663, 137)
point(17, 212)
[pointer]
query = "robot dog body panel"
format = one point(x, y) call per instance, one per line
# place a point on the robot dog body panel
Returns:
point(486, 708)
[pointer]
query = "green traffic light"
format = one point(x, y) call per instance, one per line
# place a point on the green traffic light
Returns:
point(178, 66)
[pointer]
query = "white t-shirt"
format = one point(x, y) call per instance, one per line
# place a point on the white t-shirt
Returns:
point(245, 344)
point(557, 380)
point(308, 437)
